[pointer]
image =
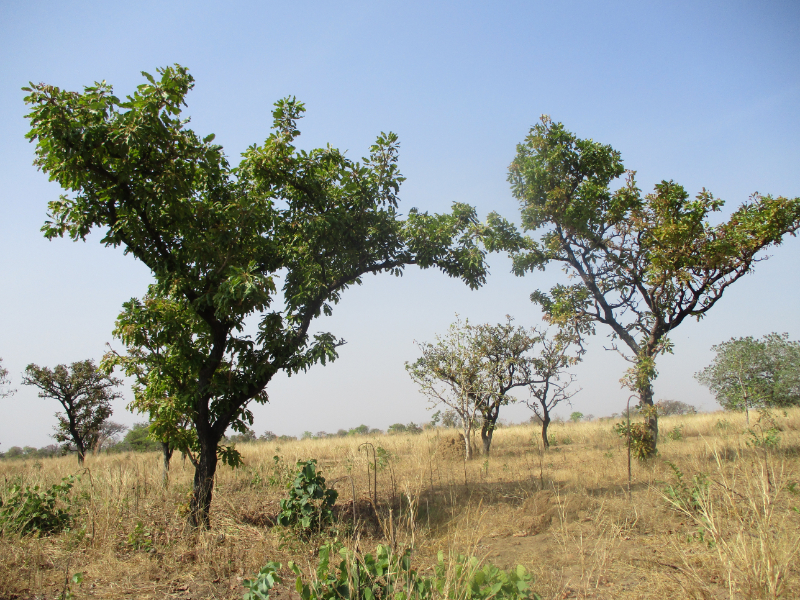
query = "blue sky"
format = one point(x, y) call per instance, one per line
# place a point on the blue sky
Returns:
point(705, 93)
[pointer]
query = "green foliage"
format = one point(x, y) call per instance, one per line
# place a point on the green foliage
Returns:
point(639, 263)
point(676, 433)
point(765, 433)
point(387, 575)
point(84, 392)
point(265, 580)
point(32, 510)
point(687, 497)
point(751, 373)
point(218, 239)
point(576, 416)
point(138, 439)
point(140, 538)
point(309, 506)
point(640, 438)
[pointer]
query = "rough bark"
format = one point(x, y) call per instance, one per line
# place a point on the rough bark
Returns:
point(205, 468)
point(166, 451)
point(545, 424)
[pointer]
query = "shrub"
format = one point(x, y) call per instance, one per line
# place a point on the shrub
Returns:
point(387, 575)
point(309, 506)
point(641, 441)
point(34, 511)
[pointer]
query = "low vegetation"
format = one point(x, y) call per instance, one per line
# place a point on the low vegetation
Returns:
point(713, 515)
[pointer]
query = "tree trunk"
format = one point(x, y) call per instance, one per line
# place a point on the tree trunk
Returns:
point(166, 451)
point(81, 456)
point(651, 418)
point(200, 505)
point(545, 423)
point(487, 431)
point(467, 445)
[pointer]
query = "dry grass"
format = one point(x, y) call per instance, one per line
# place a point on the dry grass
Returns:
point(564, 514)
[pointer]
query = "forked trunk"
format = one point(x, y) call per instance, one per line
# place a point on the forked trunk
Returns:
point(200, 505)
point(487, 431)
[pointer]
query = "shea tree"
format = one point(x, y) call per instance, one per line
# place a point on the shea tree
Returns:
point(640, 264)
point(274, 241)
point(84, 392)
point(754, 373)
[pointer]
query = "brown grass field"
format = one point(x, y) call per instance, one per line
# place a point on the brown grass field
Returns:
point(564, 514)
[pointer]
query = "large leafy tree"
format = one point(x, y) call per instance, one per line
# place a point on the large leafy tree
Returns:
point(84, 392)
point(639, 264)
point(754, 373)
point(221, 240)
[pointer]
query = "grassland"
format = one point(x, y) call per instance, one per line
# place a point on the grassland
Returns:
point(729, 527)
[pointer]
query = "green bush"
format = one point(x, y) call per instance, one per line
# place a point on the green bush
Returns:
point(387, 575)
point(34, 511)
point(309, 506)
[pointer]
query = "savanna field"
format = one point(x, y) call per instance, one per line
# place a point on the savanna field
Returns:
point(714, 515)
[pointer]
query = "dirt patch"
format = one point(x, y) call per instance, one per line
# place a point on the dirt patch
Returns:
point(547, 507)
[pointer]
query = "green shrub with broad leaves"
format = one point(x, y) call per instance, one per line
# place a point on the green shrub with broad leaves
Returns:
point(387, 575)
point(309, 507)
point(35, 510)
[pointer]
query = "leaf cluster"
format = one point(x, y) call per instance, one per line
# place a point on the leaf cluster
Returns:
point(388, 575)
point(641, 263)
point(309, 506)
point(35, 510)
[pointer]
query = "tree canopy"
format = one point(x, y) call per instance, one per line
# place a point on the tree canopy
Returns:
point(222, 240)
point(84, 392)
point(640, 264)
point(754, 373)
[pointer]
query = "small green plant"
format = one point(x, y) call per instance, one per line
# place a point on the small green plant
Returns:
point(723, 425)
point(67, 594)
point(281, 476)
point(552, 440)
point(265, 580)
point(388, 575)
point(566, 440)
point(676, 433)
point(140, 538)
point(686, 497)
point(765, 433)
point(640, 439)
point(309, 506)
point(37, 511)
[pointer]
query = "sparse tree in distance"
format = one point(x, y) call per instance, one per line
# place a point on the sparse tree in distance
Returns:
point(106, 433)
point(576, 416)
point(5, 382)
point(218, 239)
point(450, 372)
point(552, 379)
point(669, 408)
point(754, 373)
point(472, 369)
point(84, 392)
point(642, 264)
